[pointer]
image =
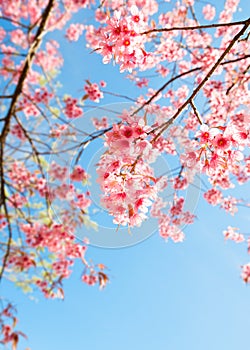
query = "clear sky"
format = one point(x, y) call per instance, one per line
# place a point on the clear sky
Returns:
point(162, 296)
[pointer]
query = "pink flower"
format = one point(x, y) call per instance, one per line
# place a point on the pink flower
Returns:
point(189, 159)
point(82, 201)
point(209, 12)
point(142, 82)
point(177, 207)
point(72, 111)
point(156, 207)
point(180, 183)
point(126, 179)
point(93, 92)
point(168, 230)
point(17, 201)
point(245, 274)
point(100, 124)
point(206, 133)
point(229, 204)
point(241, 137)
point(74, 31)
point(19, 38)
point(216, 161)
point(221, 143)
point(103, 83)
point(58, 130)
point(58, 172)
point(137, 15)
point(91, 280)
point(78, 174)
point(231, 233)
point(213, 196)
point(100, 16)
point(17, 131)
point(127, 132)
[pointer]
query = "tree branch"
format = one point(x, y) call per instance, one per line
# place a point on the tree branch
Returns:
point(4, 18)
point(27, 65)
point(165, 125)
point(196, 113)
point(18, 90)
point(163, 88)
point(204, 26)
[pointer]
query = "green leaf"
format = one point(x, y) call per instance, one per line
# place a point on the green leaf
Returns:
point(55, 112)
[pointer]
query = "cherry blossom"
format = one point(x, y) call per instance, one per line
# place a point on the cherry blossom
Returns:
point(78, 174)
point(93, 92)
point(245, 274)
point(209, 12)
point(100, 124)
point(213, 196)
point(188, 73)
point(72, 110)
point(232, 234)
point(74, 31)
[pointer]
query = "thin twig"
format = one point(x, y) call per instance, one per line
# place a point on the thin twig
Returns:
point(196, 113)
point(163, 88)
point(14, 21)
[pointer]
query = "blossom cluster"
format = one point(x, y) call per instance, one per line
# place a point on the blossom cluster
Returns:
point(74, 31)
point(8, 322)
point(93, 91)
point(232, 234)
point(72, 109)
point(125, 175)
point(120, 39)
point(219, 150)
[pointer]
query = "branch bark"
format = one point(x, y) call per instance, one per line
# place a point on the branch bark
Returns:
point(11, 111)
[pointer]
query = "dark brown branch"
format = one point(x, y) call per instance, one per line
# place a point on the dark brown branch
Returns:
point(180, 76)
point(2, 97)
point(163, 87)
point(196, 113)
point(12, 54)
point(7, 253)
point(235, 60)
point(204, 26)
point(5, 130)
point(4, 18)
point(165, 125)
point(27, 64)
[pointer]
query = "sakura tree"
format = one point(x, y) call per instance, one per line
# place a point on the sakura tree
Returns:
point(196, 116)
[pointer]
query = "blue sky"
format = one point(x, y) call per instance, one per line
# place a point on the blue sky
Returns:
point(162, 296)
